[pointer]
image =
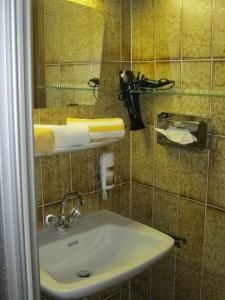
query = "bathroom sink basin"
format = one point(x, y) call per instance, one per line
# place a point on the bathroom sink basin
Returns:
point(99, 250)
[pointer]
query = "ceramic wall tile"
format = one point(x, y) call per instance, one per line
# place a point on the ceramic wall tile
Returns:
point(143, 156)
point(113, 297)
point(169, 70)
point(52, 38)
point(197, 28)
point(52, 78)
point(196, 76)
point(109, 104)
point(56, 177)
point(84, 170)
point(67, 78)
point(168, 29)
point(216, 188)
point(191, 217)
point(66, 5)
point(165, 212)
point(166, 104)
point(166, 168)
point(38, 183)
point(219, 29)
point(114, 291)
point(162, 286)
point(36, 116)
point(83, 111)
point(39, 216)
point(188, 281)
point(118, 200)
point(82, 74)
point(217, 124)
point(67, 42)
point(111, 44)
point(140, 286)
point(125, 294)
point(214, 254)
point(84, 27)
point(193, 174)
point(218, 76)
point(51, 6)
point(146, 100)
point(141, 204)
point(123, 158)
point(126, 30)
point(213, 286)
point(56, 116)
point(143, 30)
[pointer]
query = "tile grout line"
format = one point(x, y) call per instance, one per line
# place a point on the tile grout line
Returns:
point(85, 194)
point(175, 195)
point(159, 60)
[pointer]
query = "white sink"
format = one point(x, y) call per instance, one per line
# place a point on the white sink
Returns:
point(111, 247)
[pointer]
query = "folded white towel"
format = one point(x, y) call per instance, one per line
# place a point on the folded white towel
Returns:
point(102, 129)
point(69, 135)
point(178, 135)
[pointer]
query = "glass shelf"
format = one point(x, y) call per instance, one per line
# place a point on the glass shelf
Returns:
point(68, 87)
point(178, 92)
point(78, 148)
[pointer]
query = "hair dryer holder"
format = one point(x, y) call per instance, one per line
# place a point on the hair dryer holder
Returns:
point(196, 125)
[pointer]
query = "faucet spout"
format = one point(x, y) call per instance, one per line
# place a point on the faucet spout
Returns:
point(62, 222)
point(70, 196)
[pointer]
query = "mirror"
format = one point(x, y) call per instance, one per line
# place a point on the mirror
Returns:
point(68, 42)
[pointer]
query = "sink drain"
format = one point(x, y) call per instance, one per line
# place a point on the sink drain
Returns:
point(84, 273)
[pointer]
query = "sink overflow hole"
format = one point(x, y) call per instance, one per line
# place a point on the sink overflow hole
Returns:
point(84, 273)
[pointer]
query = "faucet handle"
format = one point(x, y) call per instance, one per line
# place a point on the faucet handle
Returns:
point(83, 201)
point(75, 213)
point(50, 220)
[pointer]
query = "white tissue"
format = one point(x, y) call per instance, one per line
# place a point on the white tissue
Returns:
point(178, 135)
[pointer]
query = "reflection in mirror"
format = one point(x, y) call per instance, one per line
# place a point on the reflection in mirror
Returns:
point(68, 42)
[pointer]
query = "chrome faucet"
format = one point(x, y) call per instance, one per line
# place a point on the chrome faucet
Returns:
point(62, 222)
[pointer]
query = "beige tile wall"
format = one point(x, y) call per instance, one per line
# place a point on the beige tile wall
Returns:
point(186, 188)
point(176, 191)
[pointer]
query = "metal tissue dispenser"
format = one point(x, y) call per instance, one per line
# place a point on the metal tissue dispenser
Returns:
point(196, 125)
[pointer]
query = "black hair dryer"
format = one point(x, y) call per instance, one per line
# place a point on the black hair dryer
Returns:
point(130, 89)
point(131, 99)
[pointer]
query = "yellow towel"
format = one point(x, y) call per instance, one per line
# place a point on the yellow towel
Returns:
point(101, 129)
point(44, 140)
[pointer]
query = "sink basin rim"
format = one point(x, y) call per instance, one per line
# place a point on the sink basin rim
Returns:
point(109, 278)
